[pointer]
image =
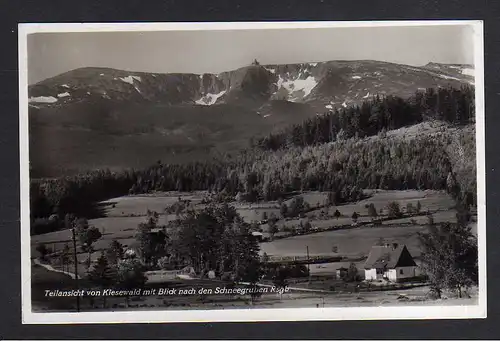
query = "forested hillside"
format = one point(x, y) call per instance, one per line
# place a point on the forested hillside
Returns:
point(380, 114)
point(343, 152)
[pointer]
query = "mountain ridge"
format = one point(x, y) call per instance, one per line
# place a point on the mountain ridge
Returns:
point(105, 118)
point(301, 82)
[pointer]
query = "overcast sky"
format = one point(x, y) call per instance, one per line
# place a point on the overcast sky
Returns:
point(50, 54)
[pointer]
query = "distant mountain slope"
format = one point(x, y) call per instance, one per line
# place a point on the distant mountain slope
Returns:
point(458, 71)
point(334, 83)
point(100, 117)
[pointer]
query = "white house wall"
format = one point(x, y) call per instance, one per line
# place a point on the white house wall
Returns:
point(391, 275)
point(395, 274)
point(408, 272)
point(370, 274)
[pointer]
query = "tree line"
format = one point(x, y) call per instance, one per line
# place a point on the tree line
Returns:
point(378, 115)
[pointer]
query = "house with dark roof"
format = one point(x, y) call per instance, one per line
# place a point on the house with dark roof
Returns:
point(390, 261)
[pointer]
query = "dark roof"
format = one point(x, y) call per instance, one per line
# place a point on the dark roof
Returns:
point(389, 257)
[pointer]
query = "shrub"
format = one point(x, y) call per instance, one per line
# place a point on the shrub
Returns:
point(355, 217)
point(372, 211)
point(394, 210)
point(42, 250)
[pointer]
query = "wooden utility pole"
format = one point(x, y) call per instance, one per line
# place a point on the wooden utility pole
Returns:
point(76, 270)
point(308, 265)
point(307, 255)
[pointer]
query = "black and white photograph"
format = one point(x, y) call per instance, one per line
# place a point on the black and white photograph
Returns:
point(252, 171)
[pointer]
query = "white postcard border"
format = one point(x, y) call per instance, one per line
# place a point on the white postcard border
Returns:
point(407, 312)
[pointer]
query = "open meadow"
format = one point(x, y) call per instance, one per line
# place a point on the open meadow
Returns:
point(124, 214)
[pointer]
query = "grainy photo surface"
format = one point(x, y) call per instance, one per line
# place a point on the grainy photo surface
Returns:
point(252, 171)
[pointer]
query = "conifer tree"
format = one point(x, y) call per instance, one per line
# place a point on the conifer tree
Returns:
point(102, 275)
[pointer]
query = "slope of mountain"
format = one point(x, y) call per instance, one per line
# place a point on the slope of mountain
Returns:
point(452, 71)
point(100, 117)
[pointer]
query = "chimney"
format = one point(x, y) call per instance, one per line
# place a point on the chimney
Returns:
point(394, 245)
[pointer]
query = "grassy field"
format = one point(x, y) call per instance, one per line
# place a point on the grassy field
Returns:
point(351, 243)
point(123, 215)
point(138, 205)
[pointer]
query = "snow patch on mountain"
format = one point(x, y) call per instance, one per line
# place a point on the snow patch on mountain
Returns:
point(367, 95)
point(294, 85)
point(65, 86)
point(329, 106)
point(313, 64)
point(42, 99)
point(131, 79)
point(64, 94)
point(449, 77)
point(270, 70)
point(210, 99)
point(468, 72)
point(344, 104)
point(356, 77)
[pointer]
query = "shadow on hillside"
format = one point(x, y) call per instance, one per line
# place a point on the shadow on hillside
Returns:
point(96, 210)
point(101, 209)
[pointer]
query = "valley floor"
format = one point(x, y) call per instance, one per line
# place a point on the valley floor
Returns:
point(352, 243)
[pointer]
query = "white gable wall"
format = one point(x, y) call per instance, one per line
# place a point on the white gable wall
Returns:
point(405, 272)
point(370, 274)
point(400, 273)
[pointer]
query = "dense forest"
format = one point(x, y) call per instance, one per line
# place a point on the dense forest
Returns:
point(378, 115)
point(342, 152)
